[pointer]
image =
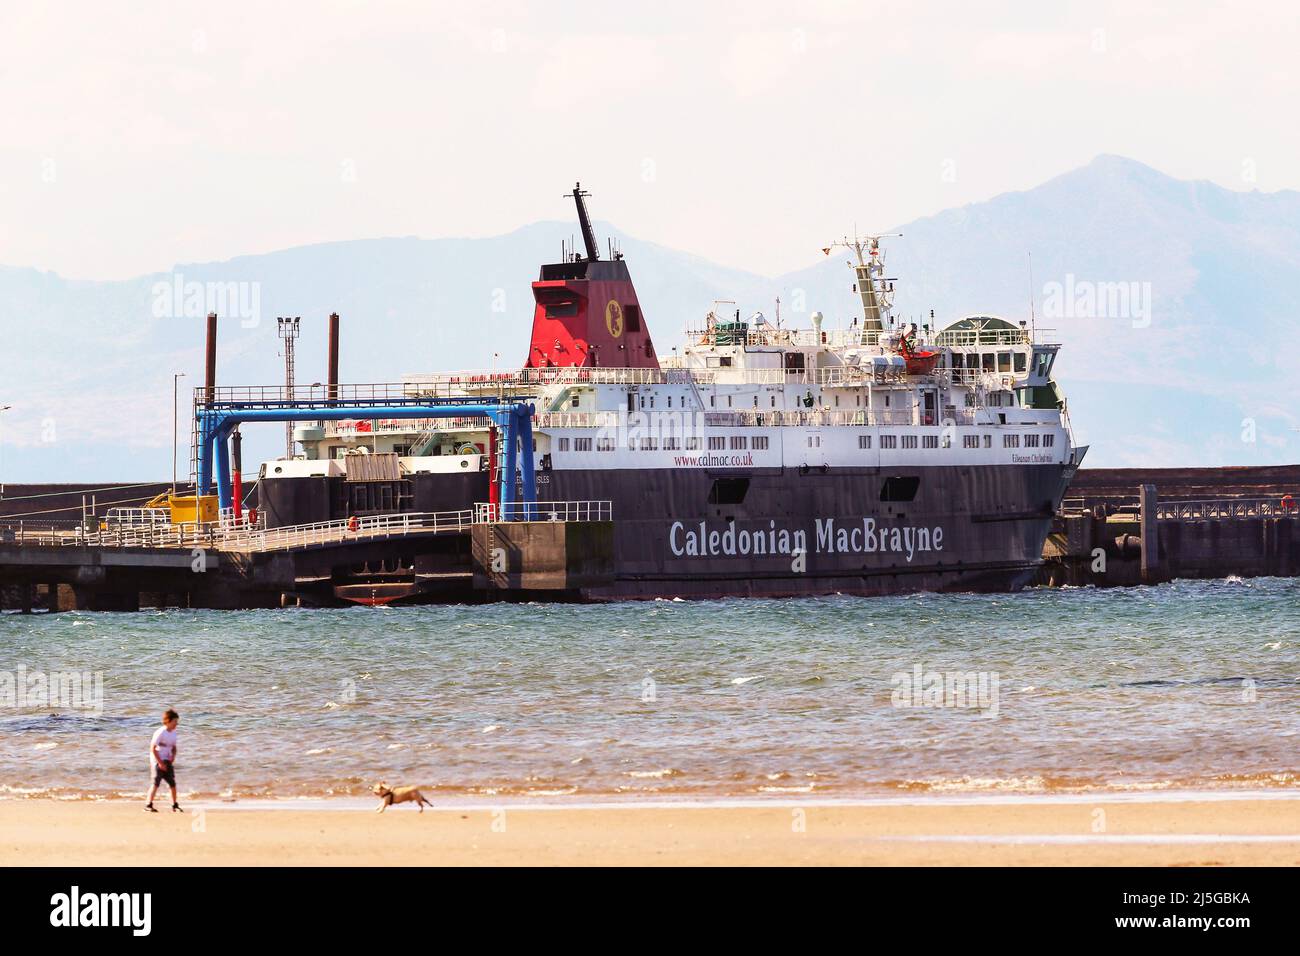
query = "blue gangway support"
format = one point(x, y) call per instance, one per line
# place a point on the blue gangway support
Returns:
point(512, 417)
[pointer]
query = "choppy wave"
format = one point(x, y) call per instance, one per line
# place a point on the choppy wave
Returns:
point(1187, 685)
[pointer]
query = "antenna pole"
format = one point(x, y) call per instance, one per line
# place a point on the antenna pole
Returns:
point(1032, 330)
point(588, 236)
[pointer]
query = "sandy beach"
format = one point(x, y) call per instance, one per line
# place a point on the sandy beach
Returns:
point(1160, 830)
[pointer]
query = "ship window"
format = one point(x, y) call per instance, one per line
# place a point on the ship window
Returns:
point(632, 318)
point(1010, 441)
point(970, 441)
point(672, 444)
point(693, 443)
point(988, 441)
point(899, 488)
point(604, 444)
point(670, 401)
point(957, 359)
point(713, 401)
point(1004, 361)
point(760, 442)
point(724, 361)
point(888, 441)
point(728, 401)
point(864, 441)
point(909, 441)
point(717, 443)
point(573, 403)
point(837, 401)
point(1020, 361)
point(728, 491)
point(401, 451)
point(970, 399)
point(564, 444)
point(774, 401)
point(930, 441)
point(986, 361)
point(1031, 441)
point(756, 401)
point(582, 444)
point(738, 442)
point(643, 401)
point(1049, 441)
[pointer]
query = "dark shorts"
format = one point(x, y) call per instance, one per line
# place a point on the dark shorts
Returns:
point(167, 776)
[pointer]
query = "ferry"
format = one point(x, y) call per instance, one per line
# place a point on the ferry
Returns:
point(759, 459)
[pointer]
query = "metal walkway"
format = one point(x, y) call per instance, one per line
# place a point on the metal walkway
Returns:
point(218, 411)
point(227, 536)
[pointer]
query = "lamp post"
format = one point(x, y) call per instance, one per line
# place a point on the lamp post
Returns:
point(176, 377)
point(3, 408)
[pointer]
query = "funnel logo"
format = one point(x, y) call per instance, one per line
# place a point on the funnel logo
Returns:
point(614, 318)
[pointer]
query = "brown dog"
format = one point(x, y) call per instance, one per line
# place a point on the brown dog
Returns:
point(390, 795)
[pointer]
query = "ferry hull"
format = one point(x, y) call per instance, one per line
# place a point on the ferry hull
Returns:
point(786, 531)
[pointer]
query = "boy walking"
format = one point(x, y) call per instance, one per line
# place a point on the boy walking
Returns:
point(162, 759)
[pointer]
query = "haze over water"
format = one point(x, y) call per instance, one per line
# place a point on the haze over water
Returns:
point(1192, 684)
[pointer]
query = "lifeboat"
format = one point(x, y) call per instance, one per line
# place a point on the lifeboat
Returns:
point(919, 361)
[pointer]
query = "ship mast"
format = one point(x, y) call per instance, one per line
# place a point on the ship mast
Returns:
point(588, 236)
point(877, 300)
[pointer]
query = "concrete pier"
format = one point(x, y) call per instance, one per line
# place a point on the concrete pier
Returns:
point(1158, 541)
point(446, 557)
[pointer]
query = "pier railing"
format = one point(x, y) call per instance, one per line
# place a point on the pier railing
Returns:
point(228, 535)
point(485, 513)
point(329, 532)
point(1206, 509)
point(1284, 507)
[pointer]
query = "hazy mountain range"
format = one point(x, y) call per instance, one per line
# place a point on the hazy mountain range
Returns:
point(1176, 303)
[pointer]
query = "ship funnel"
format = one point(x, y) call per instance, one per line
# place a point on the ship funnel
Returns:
point(587, 313)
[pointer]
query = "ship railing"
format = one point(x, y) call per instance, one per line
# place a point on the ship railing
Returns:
point(729, 332)
point(1228, 508)
point(578, 419)
point(532, 378)
point(491, 512)
point(690, 418)
point(466, 386)
point(974, 338)
point(424, 427)
point(813, 418)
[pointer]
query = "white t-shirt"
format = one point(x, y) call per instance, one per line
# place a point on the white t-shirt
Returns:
point(166, 742)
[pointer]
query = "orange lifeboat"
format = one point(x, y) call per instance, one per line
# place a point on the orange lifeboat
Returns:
point(919, 361)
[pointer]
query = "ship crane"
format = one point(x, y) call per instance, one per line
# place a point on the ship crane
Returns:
point(876, 291)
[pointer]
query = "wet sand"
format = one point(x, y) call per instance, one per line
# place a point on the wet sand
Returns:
point(1157, 831)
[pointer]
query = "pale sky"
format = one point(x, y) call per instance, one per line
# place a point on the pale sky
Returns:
point(136, 136)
